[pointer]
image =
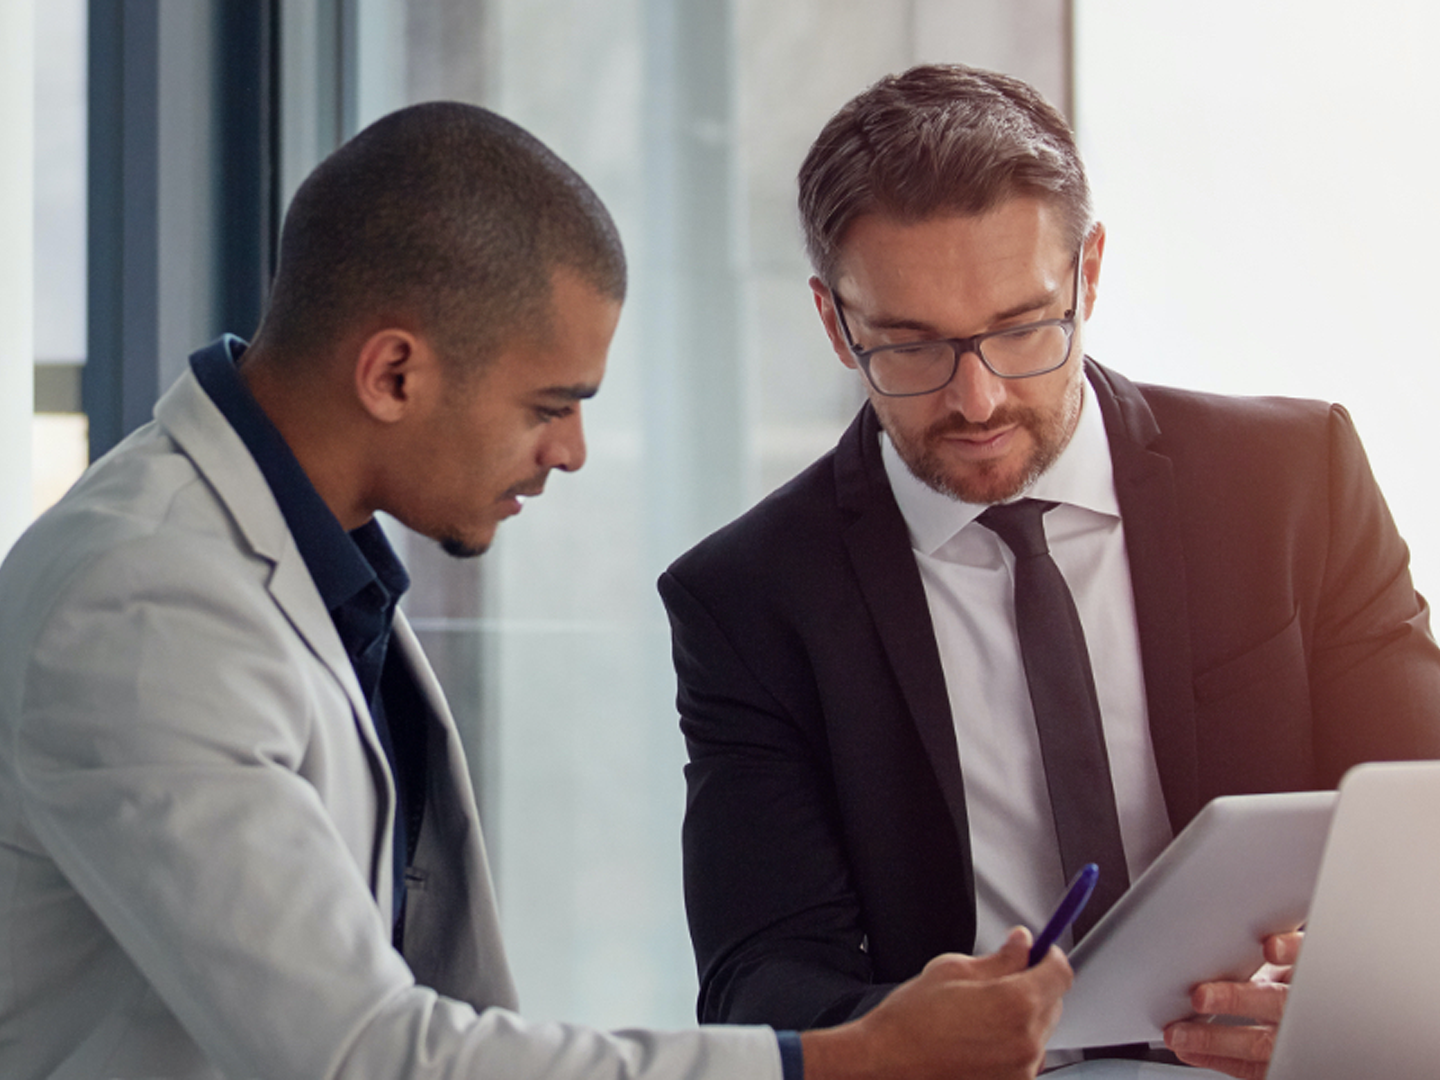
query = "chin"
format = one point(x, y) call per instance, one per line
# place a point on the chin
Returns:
point(982, 490)
point(996, 485)
point(457, 548)
point(991, 482)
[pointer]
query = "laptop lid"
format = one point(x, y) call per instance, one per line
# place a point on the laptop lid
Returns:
point(1365, 995)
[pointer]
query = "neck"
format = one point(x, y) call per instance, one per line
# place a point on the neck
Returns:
point(300, 399)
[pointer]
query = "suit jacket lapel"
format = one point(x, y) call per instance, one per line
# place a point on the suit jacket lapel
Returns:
point(1145, 487)
point(452, 927)
point(201, 430)
point(878, 543)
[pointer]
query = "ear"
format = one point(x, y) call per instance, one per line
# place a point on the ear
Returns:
point(825, 305)
point(1090, 257)
point(392, 369)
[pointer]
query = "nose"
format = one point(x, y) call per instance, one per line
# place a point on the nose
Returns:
point(564, 447)
point(975, 392)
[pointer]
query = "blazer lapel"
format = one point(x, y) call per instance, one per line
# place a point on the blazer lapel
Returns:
point(878, 543)
point(1145, 487)
point(452, 926)
point(201, 430)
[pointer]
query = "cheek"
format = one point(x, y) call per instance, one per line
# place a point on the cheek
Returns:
point(1051, 394)
point(907, 420)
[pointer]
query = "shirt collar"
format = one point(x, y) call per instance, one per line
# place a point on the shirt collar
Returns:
point(1081, 476)
point(341, 564)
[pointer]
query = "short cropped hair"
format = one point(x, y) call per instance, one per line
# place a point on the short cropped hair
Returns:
point(445, 217)
point(937, 139)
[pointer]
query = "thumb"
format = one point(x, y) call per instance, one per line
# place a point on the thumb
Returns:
point(1011, 957)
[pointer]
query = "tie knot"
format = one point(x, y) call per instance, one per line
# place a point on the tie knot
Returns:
point(1019, 524)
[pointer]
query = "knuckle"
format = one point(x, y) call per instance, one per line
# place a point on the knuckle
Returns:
point(1026, 1016)
point(1222, 999)
point(1263, 1045)
point(1021, 1045)
point(949, 966)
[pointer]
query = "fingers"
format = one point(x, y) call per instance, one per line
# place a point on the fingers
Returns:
point(1238, 1050)
point(1017, 996)
point(1011, 958)
point(1054, 973)
point(1014, 955)
point(1051, 977)
point(987, 1016)
point(1284, 949)
point(1241, 1050)
point(1264, 1001)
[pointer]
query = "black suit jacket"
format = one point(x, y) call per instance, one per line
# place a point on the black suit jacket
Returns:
point(827, 850)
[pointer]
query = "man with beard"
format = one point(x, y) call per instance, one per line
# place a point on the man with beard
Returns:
point(237, 836)
point(1027, 614)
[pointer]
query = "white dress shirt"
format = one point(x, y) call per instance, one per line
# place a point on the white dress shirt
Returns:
point(968, 574)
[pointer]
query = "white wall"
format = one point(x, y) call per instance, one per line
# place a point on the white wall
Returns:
point(1267, 174)
point(17, 353)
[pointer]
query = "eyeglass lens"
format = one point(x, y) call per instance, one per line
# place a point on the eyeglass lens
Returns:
point(921, 367)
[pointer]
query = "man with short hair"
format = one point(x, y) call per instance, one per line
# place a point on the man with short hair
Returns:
point(900, 742)
point(237, 836)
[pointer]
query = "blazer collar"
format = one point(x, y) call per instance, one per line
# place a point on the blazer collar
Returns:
point(878, 544)
point(202, 433)
point(1149, 507)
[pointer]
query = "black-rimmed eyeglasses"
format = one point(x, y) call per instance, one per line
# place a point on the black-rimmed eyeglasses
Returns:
point(923, 367)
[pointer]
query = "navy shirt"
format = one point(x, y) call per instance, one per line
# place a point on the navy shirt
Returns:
point(360, 581)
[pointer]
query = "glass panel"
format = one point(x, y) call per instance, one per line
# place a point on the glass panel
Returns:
point(60, 436)
point(554, 647)
point(60, 84)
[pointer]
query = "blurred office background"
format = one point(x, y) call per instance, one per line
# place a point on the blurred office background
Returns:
point(1263, 169)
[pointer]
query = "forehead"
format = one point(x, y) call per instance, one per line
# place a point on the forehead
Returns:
point(992, 258)
point(571, 349)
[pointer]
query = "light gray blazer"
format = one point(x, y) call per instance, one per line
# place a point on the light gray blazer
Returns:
point(195, 813)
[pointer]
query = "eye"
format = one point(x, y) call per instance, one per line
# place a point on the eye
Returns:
point(919, 351)
point(545, 414)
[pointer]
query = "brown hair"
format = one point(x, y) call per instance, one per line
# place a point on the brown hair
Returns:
point(940, 138)
point(445, 216)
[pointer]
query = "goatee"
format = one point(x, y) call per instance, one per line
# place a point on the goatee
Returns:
point(998, 480)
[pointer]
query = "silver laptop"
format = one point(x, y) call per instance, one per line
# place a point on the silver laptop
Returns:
point(1365, 996)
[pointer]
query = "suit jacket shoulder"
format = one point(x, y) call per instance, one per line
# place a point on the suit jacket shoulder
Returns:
point(195, 814)
point(1281, 641)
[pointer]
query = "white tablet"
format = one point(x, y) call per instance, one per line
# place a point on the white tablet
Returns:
point(1244, 868)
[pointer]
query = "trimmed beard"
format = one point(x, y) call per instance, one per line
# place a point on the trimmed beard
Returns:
point(459, 549)
point(983, 482)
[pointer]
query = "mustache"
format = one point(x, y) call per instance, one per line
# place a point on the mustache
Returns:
point(956, 424)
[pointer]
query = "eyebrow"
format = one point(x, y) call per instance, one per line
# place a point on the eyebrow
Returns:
point(887, 322)
point(576, 392)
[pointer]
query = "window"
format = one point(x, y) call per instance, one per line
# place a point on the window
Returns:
point(1270, 212)
point(60, 433)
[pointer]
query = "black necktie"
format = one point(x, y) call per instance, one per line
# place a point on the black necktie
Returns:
point(1067, 714)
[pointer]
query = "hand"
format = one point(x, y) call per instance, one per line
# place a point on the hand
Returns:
point(963, 1018)
point(1241, 1050)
